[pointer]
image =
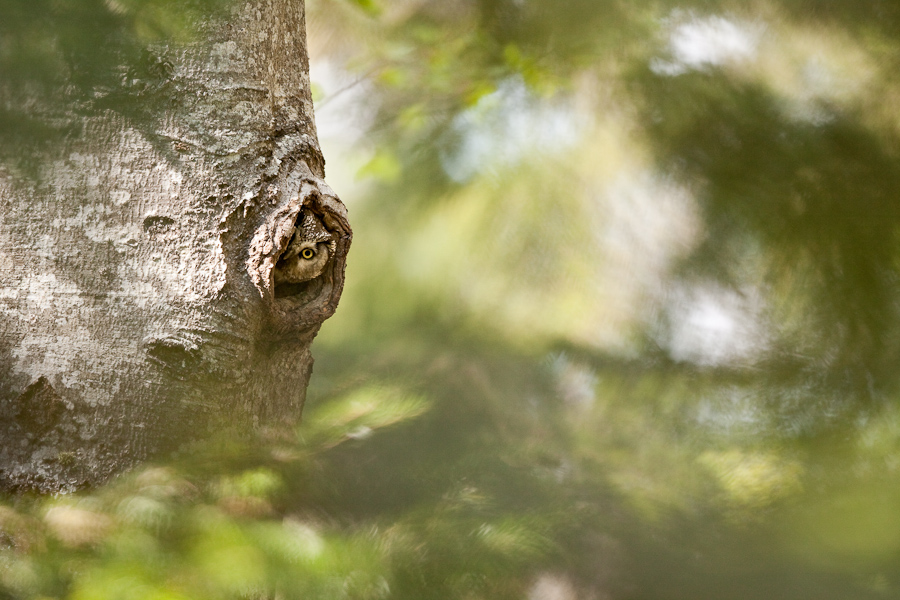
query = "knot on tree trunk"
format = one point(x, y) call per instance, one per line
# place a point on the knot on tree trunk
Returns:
point(297, 256)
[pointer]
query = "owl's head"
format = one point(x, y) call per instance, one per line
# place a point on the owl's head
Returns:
point(303, 260)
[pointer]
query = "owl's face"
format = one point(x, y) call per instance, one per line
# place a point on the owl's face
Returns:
point(302, 261)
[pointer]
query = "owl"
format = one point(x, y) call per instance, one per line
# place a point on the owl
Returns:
point(307, 253)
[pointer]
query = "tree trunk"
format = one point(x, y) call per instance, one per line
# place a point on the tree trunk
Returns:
point(146, 285)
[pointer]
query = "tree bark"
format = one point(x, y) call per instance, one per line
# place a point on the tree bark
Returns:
point(137, 297)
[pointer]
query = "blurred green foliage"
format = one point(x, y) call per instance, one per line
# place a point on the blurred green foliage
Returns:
point(620, 319)
point(643, 258)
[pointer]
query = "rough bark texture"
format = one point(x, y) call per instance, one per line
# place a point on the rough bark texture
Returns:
point(137, 299)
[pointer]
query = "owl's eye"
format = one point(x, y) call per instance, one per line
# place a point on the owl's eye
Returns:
point(307, 253)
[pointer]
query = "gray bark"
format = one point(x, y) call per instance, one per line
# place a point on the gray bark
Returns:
point(137, 297)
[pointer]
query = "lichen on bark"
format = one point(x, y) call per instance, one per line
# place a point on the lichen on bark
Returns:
point(136, 300)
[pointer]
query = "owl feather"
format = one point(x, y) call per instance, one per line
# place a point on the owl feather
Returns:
point(307, 253)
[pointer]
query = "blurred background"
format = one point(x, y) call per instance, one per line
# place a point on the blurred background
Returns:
point(621, 322)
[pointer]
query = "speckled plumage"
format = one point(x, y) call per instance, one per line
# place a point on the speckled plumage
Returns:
point(294, 266)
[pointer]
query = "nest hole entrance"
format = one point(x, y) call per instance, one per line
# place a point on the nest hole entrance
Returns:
point(305, 290)
point(298, 271)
